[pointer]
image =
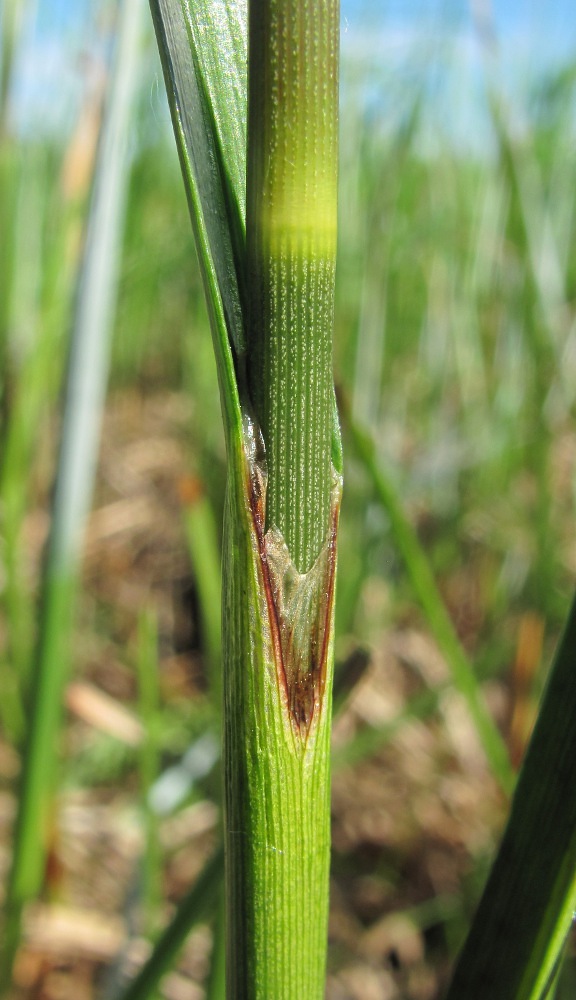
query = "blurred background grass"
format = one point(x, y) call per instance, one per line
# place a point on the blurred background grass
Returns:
point(455, 358)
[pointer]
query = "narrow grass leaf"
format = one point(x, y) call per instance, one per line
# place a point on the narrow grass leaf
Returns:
point(529, 903)
point(196, 906)
point(202, 539)
point(425, 587)
point(148, 672)
point(216, 988)
point(203, 51)
point(85, 389)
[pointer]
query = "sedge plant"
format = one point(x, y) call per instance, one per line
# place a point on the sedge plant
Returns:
point(259, 162)
point(259, 158)
point(252, 246)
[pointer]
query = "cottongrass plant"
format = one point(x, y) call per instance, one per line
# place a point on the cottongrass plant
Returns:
point(268, 268)
point(259, 159)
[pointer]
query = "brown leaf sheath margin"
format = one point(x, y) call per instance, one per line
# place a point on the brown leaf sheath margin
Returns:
point(301, 691)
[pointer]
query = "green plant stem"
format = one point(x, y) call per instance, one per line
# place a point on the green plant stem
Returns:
point(527, 908)
point(280, 528)
point(278, 566)
point(291, 256)
point(276, 779)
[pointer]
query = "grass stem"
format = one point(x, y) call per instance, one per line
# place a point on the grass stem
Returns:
point(291, 257)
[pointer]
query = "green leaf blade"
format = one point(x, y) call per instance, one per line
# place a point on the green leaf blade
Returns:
point(527, 908)
point(208, 107)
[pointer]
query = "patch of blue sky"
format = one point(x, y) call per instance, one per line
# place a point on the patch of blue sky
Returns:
point(547, 28)
point(447, 54)
point(394, 52)
point(61, 48)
